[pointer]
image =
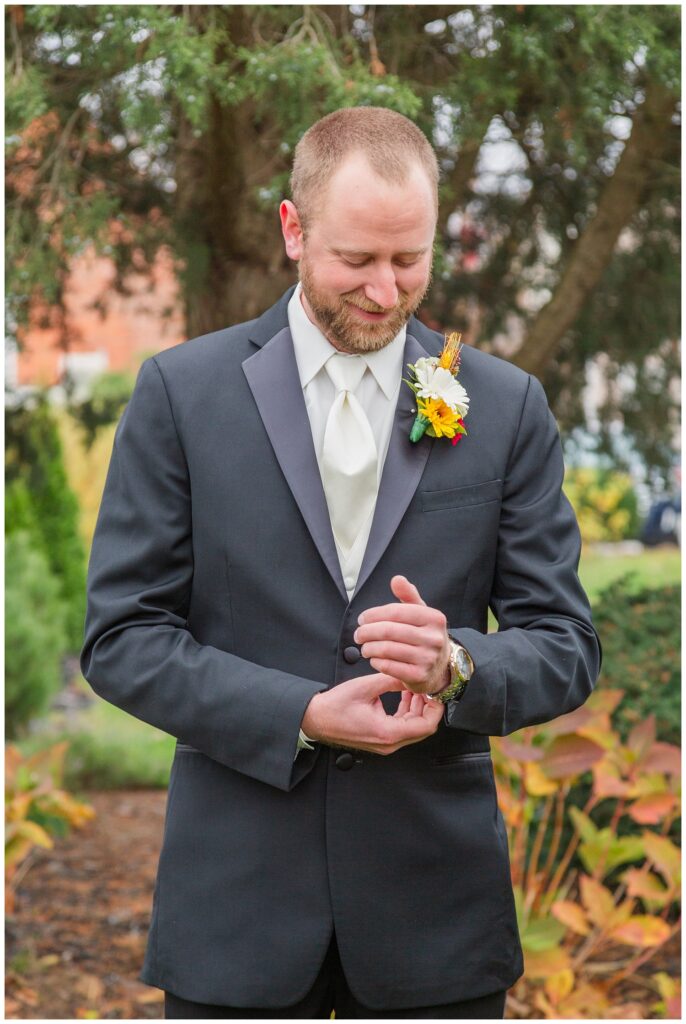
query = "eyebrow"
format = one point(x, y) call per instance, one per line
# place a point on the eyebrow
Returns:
point(359, 253)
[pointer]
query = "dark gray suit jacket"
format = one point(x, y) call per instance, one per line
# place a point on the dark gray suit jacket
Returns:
point(216, 610)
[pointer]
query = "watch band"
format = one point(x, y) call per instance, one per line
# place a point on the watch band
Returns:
point(461, 670)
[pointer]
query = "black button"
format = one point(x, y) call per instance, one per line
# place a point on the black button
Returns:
point(345, 761)
point(351, 655)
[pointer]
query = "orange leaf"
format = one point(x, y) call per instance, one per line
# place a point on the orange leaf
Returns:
point(650, 810)
point(642, 930)
point(519, 751)
point(536, 783)
point(558, 986)
point(566, 724)
point(546, 962)
point(570, 755)
point(642, 737)
point(606, 780)
point(572, 915)
point(664, 855)
point(604, 700)
point(597, 900)
point(663, 757)
point(645, 886)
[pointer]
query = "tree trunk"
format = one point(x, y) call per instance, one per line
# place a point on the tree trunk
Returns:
point(618, 202)
point(233, 261)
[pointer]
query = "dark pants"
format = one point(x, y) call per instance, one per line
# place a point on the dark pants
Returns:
point(330, 992)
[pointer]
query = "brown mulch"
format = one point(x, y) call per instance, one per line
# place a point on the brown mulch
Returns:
point(76, 939)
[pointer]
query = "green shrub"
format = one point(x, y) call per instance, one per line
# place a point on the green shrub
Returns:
point(605, 503)
point(639, 629)
point(35, 637)
point(43, 503)
point(107, 748)
point(109, 394)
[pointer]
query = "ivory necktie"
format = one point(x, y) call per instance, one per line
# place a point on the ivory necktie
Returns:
point(349, 458)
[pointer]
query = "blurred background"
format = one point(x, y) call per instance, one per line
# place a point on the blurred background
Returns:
point(147, 149)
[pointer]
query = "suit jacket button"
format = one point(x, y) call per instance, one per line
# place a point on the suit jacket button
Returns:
point(345, 761)
point(351, 655)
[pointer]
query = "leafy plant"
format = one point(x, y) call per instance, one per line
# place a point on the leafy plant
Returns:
point(35, 638)
point(109, 394)
point(44, 503)
point(36, 808)
point(605, 503)
point(641, 635)
point(596, 906)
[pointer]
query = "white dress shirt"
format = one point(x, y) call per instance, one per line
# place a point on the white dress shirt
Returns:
point(377, 393)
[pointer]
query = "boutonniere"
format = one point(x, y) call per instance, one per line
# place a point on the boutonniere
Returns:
point(442, 402)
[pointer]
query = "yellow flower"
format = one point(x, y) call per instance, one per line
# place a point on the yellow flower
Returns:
point(442, 418)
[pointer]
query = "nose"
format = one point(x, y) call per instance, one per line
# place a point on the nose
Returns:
point(383, 289)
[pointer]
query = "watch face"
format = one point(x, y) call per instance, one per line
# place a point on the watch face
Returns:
point(463, 665)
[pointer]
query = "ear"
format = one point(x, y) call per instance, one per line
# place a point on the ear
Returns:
point(291, 229)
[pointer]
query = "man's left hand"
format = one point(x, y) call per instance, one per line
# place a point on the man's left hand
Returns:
point(408, 640)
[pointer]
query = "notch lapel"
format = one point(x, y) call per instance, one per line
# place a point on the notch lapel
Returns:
point(272, 374)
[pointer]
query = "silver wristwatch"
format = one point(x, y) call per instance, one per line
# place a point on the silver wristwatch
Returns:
point(461, 670)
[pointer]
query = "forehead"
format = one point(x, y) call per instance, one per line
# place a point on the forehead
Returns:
point(359, 209)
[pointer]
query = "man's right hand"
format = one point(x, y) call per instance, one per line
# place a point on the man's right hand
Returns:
point(352, 715)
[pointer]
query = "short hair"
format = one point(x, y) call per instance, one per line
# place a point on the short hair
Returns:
point(390, 142)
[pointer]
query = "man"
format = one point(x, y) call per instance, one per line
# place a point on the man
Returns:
point(284, 581)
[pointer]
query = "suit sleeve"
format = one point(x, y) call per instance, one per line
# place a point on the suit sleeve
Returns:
point(138, 652)
point(545, 658)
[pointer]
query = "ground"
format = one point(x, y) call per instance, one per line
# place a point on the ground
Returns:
point(76, 940)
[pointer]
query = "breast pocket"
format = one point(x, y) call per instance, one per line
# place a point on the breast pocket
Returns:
point(466, 496)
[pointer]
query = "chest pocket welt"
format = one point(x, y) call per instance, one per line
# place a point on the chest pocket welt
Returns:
point(462, 497)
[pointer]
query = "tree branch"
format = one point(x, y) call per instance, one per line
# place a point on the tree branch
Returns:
point(618, 202)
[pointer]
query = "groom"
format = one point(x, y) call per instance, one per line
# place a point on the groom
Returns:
point(286, 583)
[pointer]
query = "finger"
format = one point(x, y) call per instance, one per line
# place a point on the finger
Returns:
point(406, 654)
point(408, 728)
point(433, 711)
point(409, 675)
point(413, 614)
point(376, 683)
point(406, 591)
point(416, 703)
point(402, 632)
point(404, 706)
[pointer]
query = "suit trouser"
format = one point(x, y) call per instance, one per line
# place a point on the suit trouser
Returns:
point(330, 992)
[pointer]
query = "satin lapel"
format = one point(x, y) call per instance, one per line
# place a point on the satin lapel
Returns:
point(403, 468)
point(272, 375)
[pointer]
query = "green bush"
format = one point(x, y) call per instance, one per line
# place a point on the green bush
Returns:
point(108, 395)
point(42, 503)
point(107, 748)
point(605, 503)
point(35, 637)
point(640, 633)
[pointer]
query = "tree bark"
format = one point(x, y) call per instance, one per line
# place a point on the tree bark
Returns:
point(619, 200)
point(233, 263)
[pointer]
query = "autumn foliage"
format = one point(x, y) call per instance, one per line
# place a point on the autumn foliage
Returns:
point(596, 901)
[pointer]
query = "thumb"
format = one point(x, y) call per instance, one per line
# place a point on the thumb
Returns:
point(378, 682)
point(406, 591)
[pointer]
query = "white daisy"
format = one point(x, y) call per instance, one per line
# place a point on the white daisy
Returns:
point(435, 382)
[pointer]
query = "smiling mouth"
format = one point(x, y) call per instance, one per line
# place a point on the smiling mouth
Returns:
point(369, 316)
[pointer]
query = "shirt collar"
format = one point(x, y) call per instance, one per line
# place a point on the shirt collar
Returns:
point(312, 350)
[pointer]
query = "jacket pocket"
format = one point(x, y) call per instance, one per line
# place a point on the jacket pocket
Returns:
point(186, 748)
point(462, 497)
point(475, 755)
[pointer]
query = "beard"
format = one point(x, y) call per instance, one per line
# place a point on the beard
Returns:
point(341, 326)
